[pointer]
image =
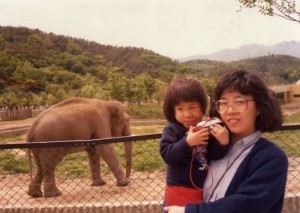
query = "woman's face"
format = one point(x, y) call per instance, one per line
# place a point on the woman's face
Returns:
point(240, 115)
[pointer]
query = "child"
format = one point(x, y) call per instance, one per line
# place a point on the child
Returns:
point(184, 105)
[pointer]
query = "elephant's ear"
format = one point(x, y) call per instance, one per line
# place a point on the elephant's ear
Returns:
point(121, 111)
point(116, 109)
point(120, 119)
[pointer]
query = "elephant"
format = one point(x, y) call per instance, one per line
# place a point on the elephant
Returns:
point(78, 119)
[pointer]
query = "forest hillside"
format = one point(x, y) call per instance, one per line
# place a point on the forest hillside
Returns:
point(38, 68)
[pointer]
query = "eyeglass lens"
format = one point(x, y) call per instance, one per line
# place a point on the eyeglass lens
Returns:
point(239, 105)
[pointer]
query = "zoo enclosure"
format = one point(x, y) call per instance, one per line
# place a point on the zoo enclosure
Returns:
point(8, 114)
point(143, 194)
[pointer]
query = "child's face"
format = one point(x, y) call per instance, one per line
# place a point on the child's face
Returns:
point(188, 113)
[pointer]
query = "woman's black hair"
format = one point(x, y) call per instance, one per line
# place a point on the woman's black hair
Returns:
point(249, 83)
point(183, 89)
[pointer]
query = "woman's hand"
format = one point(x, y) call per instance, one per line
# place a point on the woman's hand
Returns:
point(174, 209)
point(220, 133)
point(199, 137)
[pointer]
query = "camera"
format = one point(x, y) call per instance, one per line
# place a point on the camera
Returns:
point(207, 124)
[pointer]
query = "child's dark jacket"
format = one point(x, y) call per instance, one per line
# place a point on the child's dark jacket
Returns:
point(177, 154)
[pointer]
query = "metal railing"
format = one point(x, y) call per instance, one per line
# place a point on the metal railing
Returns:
point(145, 191)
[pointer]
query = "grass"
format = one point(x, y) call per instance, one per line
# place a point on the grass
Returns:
point(145, 111)
point(140, 130)
point(295, 118)
point(145, 157)
point(287, 140)
point(11, 164)
point(12, 139)
point(74, 165)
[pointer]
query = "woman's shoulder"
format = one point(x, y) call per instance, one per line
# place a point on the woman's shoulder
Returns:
point(267, 144)
point(268, 148)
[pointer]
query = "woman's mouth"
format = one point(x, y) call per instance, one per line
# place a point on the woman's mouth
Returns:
point(232, 121)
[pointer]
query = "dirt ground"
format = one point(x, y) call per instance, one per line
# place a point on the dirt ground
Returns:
point(142, 187)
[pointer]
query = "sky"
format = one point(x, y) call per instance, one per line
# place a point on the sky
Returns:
point(173, 28)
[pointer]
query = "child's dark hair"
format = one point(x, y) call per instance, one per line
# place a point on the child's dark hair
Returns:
point(249, 83)
point(183, 90)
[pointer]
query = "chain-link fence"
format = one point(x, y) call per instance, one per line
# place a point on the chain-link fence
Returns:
point(73, 178)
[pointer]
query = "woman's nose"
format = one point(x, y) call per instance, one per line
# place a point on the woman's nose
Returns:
point(230, 109)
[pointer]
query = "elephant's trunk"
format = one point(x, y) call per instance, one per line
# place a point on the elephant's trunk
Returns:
point(128, 155)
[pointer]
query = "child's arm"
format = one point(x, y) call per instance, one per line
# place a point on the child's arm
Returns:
point(199, 137)
point(173, 146)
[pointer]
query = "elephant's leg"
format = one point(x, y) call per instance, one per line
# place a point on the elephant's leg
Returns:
point(34, 189)
point(94, 162)
point(51, 158)
point(108, 154)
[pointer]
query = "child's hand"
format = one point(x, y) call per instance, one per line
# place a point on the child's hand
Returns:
point(220, 133)
point(197, 138)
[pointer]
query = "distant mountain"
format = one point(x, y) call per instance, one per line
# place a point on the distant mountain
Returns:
point(291, 48)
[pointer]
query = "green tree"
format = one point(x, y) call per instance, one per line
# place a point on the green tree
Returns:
point(283, 8)
point(41, 99)
point(87, 91)
point(159, 94)
point(51, 100)
point(9, 99)
point(138, 90)
point(209, 84)
point(8, 65)
point(118, 85)
point(2, 43)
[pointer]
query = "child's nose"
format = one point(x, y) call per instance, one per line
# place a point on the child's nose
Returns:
point(187, 113)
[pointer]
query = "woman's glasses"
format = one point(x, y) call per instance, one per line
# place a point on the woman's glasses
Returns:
point(239, 105)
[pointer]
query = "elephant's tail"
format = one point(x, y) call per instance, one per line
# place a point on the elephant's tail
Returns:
point(128, 155)
point(29, 138)
point(30, 162)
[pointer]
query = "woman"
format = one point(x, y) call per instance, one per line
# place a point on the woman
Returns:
point(252, 176)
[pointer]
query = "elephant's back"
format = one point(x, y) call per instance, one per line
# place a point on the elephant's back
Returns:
point(71, 120)
point(78, 101)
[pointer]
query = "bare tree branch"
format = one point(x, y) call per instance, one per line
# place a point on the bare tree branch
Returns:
point(282, 8)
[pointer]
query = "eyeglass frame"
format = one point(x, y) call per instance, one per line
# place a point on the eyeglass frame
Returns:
point(233, 105)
